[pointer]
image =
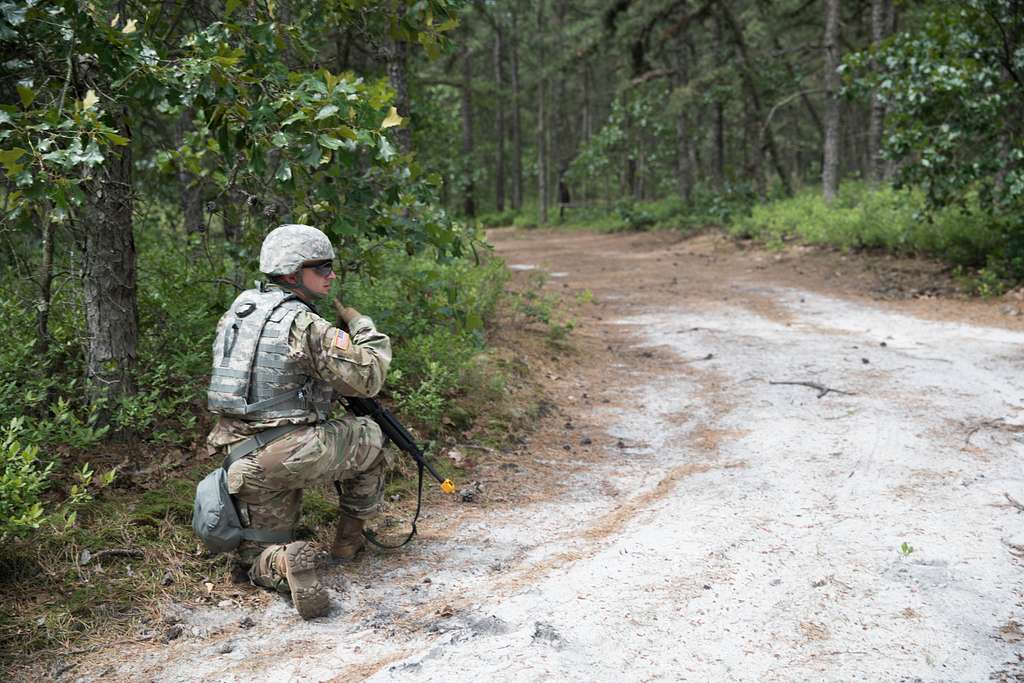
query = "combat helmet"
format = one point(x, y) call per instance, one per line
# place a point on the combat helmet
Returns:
point(287, 247)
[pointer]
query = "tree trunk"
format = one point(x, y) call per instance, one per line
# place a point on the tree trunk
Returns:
point(517, 130)
point(108, 274)
point(880, 12)
point(42, 341)
point(718, 120)
point(586, 124)
point(499, 120)
point(542, 152)
point(397, 59)
point(468, 198)
point(188, 184)
point(830, 159)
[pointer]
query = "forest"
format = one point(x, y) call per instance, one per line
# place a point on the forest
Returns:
point(148, 146)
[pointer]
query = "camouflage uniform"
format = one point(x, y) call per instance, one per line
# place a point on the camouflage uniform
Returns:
point(267, 484)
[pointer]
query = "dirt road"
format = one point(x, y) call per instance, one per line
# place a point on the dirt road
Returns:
point(761, 467)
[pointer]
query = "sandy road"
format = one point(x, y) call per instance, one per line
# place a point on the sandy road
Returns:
point(700, 513)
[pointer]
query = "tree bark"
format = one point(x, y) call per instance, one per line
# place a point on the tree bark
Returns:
point(517, 130)
point(398, 76)
point(468, 193)
point(188, 184)
point(830, 159)
point(542, 152)
point(718, 120)
point(42, 341)
point(108, 274)
point(880, 12)
point(499, 119)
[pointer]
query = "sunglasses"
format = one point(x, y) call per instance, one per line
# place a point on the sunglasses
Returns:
point(322, 269)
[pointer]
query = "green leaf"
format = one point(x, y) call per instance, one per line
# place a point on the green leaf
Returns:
point(9, 158)
point(115, 138)
point(279, 140)
point(329, 110)
point(14, 13)
point(385, 150)
point(4, 117)
point(284, 173)
point(329, 142)
point(27, 95)
point(297, 116)
point(92, 155)
point(231, 6)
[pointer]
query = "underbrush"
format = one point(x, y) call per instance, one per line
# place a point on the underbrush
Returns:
point(705, 207)
point(982, 246)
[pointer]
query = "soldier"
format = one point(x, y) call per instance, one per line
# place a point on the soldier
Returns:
point(276, 365)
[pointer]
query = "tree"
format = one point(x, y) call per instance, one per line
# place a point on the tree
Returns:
point(830, 158)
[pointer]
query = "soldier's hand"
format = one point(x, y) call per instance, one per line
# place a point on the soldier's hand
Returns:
point(346, 314)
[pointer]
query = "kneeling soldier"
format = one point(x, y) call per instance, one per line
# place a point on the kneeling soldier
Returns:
point(276, 365)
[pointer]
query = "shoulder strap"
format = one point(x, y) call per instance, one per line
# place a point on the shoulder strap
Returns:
point(244, 448)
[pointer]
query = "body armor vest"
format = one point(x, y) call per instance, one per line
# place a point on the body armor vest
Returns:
point(253, 378)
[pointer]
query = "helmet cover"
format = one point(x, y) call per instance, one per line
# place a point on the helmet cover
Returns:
point(287, 247)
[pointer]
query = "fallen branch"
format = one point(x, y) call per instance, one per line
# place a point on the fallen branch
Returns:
point(821, 389)
point(111, 552)
point(998, 423)
point(1014, 503)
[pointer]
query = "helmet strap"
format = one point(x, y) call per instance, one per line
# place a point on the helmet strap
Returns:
point(301, 287)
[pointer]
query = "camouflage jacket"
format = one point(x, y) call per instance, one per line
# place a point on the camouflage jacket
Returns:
point(353, 363)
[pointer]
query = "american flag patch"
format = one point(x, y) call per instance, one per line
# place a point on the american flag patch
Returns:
point(341, 340)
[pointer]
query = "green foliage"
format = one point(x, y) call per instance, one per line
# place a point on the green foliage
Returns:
point(434, 312)
point(23, 481)
point(533, 305)
point(294, 141)
point(953, 94)
point(865, 217)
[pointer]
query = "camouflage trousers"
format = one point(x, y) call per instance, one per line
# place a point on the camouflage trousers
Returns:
point(267, 484)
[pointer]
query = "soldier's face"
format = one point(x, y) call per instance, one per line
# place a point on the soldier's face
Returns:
point(314, 279)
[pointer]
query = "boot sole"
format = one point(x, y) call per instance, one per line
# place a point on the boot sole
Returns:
point(308, 595)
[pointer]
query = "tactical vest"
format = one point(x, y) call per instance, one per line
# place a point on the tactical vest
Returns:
point(253, 378)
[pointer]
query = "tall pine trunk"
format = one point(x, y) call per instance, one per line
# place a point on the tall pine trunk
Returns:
point(469, 190)
point(108, 275)
point(517, 129)
point(880, 12)
point(718, 119)
point(398, 76)
point(188, 185)
point(499, 120)
point(830, 158)
point(542, 131)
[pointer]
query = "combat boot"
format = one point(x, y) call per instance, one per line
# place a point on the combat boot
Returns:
point(297, 564)
point(348, 538)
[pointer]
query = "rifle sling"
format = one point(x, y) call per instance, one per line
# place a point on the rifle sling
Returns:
point(372, 537)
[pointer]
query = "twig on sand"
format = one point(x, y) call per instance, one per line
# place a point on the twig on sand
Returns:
point(822, 390)
point(998, 423)
point(1015, 503)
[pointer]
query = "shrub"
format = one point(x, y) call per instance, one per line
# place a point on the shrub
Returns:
point(866, 217)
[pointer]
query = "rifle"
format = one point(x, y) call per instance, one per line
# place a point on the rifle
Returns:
point(394, 431)
point(400, 436)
